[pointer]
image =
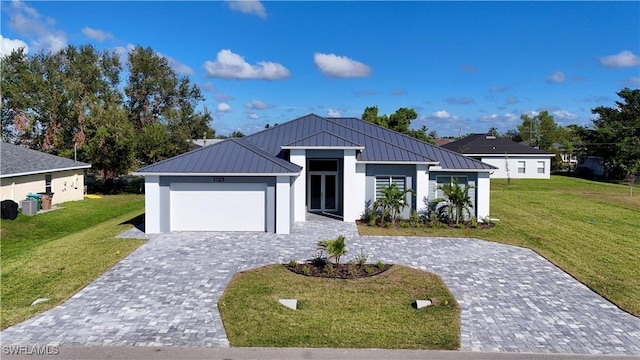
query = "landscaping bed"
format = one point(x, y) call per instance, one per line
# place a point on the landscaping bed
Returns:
point(339, 271)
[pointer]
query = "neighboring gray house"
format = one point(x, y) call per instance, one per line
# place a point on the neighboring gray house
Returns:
point(511, 159)
point(269, 180)
point(25, 171)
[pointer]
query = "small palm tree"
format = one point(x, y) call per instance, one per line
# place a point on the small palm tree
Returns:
point(336, 247)
point(392, 202)
point(456, 201)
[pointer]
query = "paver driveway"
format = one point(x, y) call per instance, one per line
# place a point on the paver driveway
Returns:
point(165, 293)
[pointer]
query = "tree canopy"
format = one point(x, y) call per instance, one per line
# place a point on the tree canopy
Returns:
point(77, 100)
point(399, 121)
point(616, 132)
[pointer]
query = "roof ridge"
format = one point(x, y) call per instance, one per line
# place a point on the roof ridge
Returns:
point(173, 158)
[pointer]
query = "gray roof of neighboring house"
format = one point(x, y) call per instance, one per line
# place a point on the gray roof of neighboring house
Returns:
point(17, 160)
point(265, 151)
point(230, 156)
point(491, 145)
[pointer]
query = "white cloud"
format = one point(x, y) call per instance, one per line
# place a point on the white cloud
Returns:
point(224, 107)
point(8, 45)
point(564, 115)
point(634, 80)
point(96, 34)
point(340, 66)
point(556, 77)
point(180, 68)
point(512, 100)
point(333, 113)
point(257, 105)
point(248, 7)
point(253, 116)
point(233, 66)
point(624, 58)
point(442, 114)
point(41, 31)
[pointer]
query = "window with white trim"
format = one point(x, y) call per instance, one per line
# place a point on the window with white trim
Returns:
point(47, 183)
point(441, 180)
point(522, 167)
point(383, 182)
point(540, 167)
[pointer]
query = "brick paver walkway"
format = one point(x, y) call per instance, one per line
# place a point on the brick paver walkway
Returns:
point(165, 293)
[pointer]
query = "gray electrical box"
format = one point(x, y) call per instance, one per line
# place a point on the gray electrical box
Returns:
point(29, 207)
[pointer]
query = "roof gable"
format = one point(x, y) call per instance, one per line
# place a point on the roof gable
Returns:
point(323, 139)
point(231, 156)
point(478, 144)
point(17, 160)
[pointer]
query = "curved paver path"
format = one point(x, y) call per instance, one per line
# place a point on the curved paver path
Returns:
point(165, 293)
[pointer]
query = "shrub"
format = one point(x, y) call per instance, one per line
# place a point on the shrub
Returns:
point(379, 264)
point(336, 247)
point(329, 269)
point(351, 268)
point(361, 259)
point(414, 219)
point(368, 270)
point(293, 263)
point(404, 224)
point(306, 270)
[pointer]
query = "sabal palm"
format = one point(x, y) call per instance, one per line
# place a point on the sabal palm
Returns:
point(456, 200)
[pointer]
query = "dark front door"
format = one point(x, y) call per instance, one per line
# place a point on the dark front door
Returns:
point(323, 185)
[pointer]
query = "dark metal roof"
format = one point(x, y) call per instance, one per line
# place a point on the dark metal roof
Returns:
point(17, 160)
point(491, 145)
point(231, 156)
point(262, 152)
point(324, 139)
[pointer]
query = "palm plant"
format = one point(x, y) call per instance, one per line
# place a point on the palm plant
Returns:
point(336, 247)
point(455, 203)
point(392, 202)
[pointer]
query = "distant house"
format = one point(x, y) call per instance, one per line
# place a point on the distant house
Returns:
point(269, 180)
point(24, 171)
point(512, 160)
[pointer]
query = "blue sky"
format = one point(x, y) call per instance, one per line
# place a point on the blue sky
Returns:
point(463, 66)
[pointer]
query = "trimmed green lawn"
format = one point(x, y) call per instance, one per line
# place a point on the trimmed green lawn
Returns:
point(589, 229)
point(372, 312)
point(54, 255)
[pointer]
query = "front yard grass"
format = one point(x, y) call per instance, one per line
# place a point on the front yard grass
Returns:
point(589, 229)
point(54, 255)
point(371, 312)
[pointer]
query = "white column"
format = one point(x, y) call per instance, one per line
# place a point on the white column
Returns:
point(354, 187)
point(152, 204)
point(483, 191)
point(283, 213)
point(422, 185)
point(298, 157)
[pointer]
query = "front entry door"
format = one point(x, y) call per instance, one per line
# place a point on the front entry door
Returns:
point(323, 191)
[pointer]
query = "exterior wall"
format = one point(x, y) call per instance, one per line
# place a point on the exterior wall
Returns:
point(152, 208)
point(408, 171)
point(531, 166)
point(298, 157)
point(329, 155)
point(66, 185)
point(472, 179)
point(283, 213)
point(354, 194)
point(483, 195)
point(422, 186)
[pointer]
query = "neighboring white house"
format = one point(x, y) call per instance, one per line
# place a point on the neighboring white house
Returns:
point(25, 171)
point(512, 160)
point(269, 180)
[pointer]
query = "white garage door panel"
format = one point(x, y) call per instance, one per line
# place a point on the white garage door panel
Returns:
point(218, 207)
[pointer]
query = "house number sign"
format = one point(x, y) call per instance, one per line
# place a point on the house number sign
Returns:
point(218, 179)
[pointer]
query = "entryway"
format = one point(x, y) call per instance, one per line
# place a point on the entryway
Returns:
point(323, 186)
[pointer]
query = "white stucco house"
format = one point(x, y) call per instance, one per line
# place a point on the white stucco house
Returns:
point(271, 179)
point(25, 171)
point(511, 159)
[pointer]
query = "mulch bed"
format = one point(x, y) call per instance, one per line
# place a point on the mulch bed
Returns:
point(340, 271)
point(396, 225)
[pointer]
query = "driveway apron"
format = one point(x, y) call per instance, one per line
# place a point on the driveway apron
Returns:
point(166, 292)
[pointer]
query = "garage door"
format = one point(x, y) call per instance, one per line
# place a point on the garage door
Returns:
point(218, 207)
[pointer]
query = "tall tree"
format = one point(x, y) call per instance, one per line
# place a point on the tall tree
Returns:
point(399, 121)
point(540, 130)
point(617, 133)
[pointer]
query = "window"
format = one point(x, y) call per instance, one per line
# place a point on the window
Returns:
point(386, 181)
point(521, 167)
point(540, 167)
point(441, 180)
point(47, 183)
